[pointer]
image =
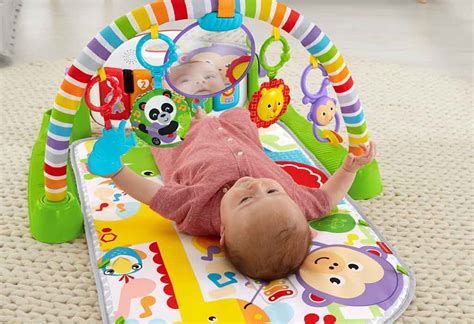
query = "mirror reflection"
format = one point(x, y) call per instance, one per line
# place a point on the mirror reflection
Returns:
point(209, 62)
point(197, 78)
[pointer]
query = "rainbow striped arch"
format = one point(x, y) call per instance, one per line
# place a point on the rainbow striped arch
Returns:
point(98, 50)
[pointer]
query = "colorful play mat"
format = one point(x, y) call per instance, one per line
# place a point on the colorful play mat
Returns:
point(145, 270)
point(148, 272)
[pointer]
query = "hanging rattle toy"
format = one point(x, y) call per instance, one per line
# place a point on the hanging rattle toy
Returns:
point(269, 103)
point(323, 108)
point(116, 94)
point(160, 117)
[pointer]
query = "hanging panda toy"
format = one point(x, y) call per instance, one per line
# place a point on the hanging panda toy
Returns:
point(160, 117)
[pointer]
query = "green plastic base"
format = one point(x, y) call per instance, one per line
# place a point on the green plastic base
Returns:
point(367, 184)
point(56, 222)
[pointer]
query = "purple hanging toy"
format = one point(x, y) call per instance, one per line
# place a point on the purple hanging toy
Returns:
point(323, 108)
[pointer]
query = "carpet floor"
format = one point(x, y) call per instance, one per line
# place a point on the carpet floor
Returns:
point(421, 121)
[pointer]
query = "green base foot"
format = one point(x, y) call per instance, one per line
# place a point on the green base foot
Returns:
point(56, 222)
point(367, 183)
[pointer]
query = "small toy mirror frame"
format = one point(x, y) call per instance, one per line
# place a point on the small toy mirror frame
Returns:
point(251, 42)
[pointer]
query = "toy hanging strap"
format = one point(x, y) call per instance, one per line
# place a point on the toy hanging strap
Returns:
point(106, 109)
point(101, 73)
point(269, 103)
point(314, 61)
point(284, 56)
point(154, 32)
point(276, 33)
point(157, 71)
point(225, 8)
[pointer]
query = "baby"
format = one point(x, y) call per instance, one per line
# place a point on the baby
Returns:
point(220, 182)
point(197, 78)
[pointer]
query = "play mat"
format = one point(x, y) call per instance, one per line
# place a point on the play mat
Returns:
point(154, 274)
point(145, 270)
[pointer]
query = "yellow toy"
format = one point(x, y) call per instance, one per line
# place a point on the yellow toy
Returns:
point(269, 103)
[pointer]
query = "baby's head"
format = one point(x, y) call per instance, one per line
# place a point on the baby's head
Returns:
point(264, 232)
point(197, 78)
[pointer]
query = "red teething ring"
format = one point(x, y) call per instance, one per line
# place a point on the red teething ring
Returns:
point(106, 109)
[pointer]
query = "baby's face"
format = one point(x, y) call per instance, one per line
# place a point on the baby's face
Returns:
point(248, 198)
point(197, 78)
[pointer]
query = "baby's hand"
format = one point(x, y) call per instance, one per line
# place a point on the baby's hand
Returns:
point(200, 114)
point(354, 163)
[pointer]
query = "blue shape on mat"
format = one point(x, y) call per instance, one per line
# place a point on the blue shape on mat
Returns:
point(294, 156)
point(128, 209)
point(157, 321)
point(131, 321)
point(280, 312)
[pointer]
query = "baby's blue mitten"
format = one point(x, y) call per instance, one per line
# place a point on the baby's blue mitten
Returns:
point(104, 159)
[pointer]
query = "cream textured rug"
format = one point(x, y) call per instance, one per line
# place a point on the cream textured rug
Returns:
point(421, 121)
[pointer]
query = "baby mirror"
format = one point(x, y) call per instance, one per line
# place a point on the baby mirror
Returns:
point(210, 63)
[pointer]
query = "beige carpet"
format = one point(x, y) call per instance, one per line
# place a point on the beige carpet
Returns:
point(421, 121)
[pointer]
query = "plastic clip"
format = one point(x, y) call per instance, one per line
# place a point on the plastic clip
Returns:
point(314, 61)
point(154, 32)
point(276, 33)
point(225, 9)
point(211, 22)
point(284, 56)
point(157, 71)
point(157, 79)
point(102, 74)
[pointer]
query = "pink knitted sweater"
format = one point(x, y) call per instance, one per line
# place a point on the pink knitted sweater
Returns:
point(216, 153)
